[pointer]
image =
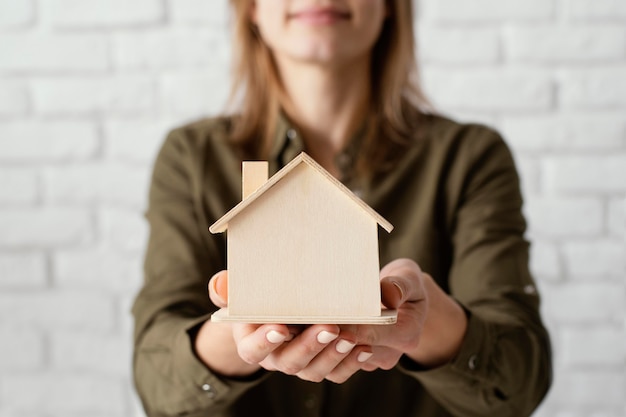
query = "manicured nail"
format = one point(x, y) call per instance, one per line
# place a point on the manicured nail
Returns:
point(343, 346)
point(275, 337)
point(325, 337)
point(364, 356)
point(399, 289)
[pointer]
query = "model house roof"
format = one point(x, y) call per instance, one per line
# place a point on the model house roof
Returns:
point(222, 224)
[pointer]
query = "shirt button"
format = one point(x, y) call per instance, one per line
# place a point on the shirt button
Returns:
point(210, 392)
point(472, 363)
point(530, 289)
point(291, 134)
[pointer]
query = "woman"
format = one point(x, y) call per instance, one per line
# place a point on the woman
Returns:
point(334, 78)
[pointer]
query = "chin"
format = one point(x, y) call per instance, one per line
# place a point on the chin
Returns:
point(322, 53)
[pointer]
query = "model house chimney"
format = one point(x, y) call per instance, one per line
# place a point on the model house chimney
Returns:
point(254, 175)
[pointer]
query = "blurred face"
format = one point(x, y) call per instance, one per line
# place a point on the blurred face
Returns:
point(325, 32)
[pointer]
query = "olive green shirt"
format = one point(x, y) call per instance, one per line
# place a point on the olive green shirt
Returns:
point(453, 197)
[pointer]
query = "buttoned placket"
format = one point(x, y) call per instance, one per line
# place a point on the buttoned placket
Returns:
point(209, 390)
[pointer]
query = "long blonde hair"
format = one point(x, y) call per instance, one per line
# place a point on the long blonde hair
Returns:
point(397, 100)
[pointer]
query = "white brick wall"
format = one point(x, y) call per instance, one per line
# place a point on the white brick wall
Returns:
point(88, 89)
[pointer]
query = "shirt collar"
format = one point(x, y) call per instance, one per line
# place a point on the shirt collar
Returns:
point(288, 144)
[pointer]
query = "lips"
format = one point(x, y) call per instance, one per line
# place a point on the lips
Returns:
point(320, 15)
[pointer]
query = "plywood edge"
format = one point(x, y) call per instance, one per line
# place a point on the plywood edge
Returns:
point(384, 223)
point(222, 224)
point(386, 317)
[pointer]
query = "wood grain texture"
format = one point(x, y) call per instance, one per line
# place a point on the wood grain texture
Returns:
point(303, 249)
point(222, 224)
point(254, 175)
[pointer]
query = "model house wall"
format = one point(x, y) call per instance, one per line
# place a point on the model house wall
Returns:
point(302, 248)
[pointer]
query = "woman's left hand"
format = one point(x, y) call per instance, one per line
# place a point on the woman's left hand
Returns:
point(429, 330)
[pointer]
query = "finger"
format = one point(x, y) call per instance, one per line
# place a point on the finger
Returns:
point(351, 364)
point(325, 362)
point(256, 342)
point(401, 282)
point(218, 289)
point(293, 357)
point(382, 358)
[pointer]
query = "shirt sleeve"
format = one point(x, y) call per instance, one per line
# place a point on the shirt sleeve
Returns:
point(504, 364)
point(173, 302)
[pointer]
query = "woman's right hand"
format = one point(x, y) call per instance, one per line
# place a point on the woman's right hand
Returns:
point(311, 353)
point(214, 344)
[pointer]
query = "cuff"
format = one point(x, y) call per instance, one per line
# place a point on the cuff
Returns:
point(472, 361)
point(207, 387)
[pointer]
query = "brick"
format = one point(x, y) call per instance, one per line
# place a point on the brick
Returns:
point(586, 174)
point(550, 44)
point(458, 45)
point(617, 218)
point(22, 271)
point(44, 227)
point(21, 349)
point(565, 411)
point(494, 90)
point(584, 302)
point(127, 324)
point(584, 131)
point(545, 263)
point(529, 170)
point(16, 13)
point(136, 407)
point(553, 217)
point(597, 9)
point(595, 259)
point(111, 184)
point(487, 10)
point(47, 141)
point(124, 230)
point(592, 388)
point(193, 95)
point(91, 353)
point(88, 395)
point(136, 140)
point(484, 117)
point(13, 98)
point(114, 95)
point(172, 49)
point(599, 345)
point(19, 186)
point(59, 310)
point(97, 269)
point(38, 53)
point(595, 88)
point(105, 13)
point(198, 12)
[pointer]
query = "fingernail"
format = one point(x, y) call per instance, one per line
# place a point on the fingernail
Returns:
point(275, 337)
point(343, 346)
point(399, 289)
point(325, 337)
point(364, 356)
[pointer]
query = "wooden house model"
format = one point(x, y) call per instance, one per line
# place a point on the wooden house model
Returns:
point(301, 248)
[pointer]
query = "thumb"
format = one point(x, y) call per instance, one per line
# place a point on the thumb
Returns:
point(401, 282)
point(392, 293)
point(218, 289)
